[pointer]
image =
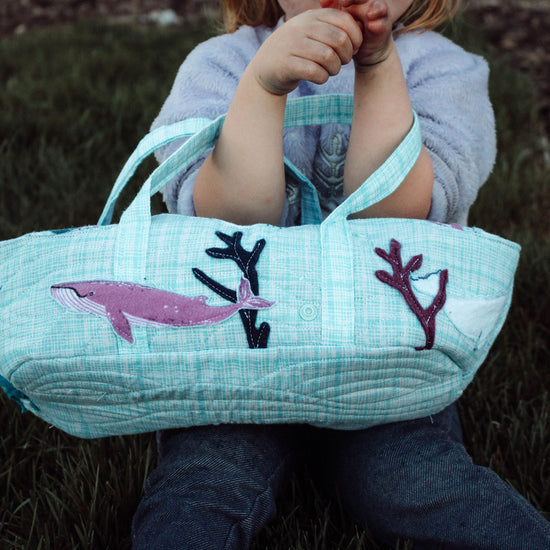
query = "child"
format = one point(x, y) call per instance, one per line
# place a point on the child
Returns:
point(215, 486)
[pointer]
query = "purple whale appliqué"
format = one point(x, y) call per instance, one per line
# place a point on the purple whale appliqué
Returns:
point(128, 304)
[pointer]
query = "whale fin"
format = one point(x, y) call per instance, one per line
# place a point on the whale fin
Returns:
point(120, 324)
point(247, 300)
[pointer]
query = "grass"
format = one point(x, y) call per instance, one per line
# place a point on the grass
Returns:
point(73, 104)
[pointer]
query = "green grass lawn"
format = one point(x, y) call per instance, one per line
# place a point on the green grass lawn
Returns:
point(74, 103)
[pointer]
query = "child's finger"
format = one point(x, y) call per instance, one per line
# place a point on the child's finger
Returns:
point(324, 55)
point(377, 9)
point(311, 71)
point(373, 9)
point(337, 39)
point(374, 16)
point(344, 22)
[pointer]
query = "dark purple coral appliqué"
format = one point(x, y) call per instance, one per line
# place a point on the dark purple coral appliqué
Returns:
point(246, 261)
point(400, 280)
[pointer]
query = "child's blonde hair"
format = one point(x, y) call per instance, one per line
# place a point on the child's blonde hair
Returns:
point(423, 14)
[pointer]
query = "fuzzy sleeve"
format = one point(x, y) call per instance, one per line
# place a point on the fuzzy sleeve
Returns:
point(204, 87)
point(448, 88)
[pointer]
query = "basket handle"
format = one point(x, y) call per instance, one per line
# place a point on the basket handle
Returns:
point(147, 146)
point(386, 179)
point(203, 133)
point(311, 110)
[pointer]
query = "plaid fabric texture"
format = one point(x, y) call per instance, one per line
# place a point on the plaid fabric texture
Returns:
point(344, 347)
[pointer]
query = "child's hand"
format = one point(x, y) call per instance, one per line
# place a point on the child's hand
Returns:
point(310, 46)
point(376, 23)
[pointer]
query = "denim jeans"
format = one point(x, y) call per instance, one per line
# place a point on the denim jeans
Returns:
point(215, 486)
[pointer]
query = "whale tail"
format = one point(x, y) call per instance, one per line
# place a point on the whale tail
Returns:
point(247, 300)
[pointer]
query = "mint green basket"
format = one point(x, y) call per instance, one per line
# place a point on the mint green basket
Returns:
point(168, 321)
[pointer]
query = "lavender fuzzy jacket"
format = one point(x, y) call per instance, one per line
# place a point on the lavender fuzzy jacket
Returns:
point(447, 88)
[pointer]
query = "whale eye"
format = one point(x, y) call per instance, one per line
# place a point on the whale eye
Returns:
point(91, 293)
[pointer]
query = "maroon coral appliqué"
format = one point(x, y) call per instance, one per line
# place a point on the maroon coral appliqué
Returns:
point(400, 280)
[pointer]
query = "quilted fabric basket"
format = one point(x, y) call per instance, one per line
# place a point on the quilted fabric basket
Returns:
point(167, 321)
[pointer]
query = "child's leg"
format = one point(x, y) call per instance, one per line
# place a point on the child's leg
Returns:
point(214, 487)
point(415, 480)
